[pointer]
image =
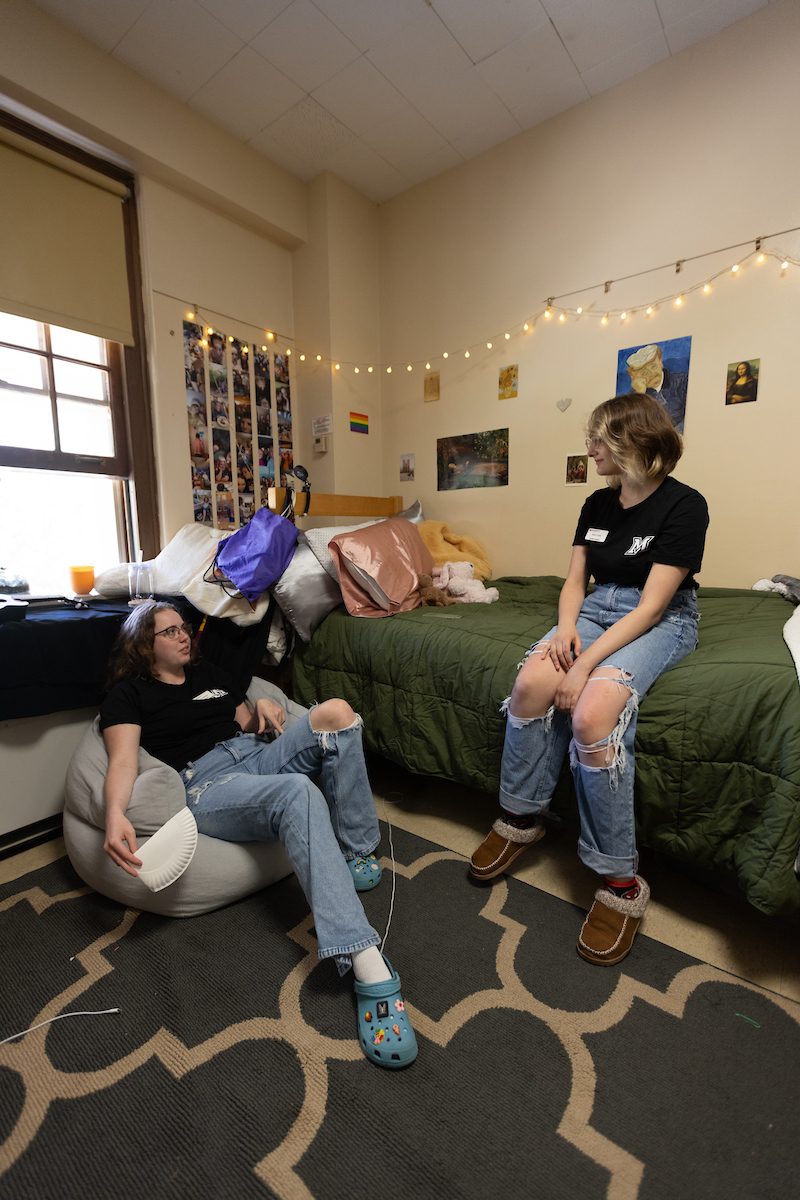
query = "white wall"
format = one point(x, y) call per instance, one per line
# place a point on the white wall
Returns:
point(692, 155)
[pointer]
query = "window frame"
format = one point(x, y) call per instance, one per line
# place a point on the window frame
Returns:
point(133, 463)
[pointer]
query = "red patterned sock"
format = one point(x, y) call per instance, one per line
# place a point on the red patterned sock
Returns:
point(626, 889)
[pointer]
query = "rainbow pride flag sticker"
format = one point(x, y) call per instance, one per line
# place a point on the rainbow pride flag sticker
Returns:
point(359, 423)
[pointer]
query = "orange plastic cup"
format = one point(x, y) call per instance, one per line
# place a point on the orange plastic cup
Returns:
point(82, 579)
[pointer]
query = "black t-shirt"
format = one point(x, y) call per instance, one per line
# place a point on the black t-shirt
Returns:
point(179, 722)
point(668, 527)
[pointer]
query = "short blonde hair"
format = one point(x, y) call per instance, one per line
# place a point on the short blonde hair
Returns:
point(640, 435)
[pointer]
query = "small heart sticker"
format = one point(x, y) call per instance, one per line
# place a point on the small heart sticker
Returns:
point(563, 404)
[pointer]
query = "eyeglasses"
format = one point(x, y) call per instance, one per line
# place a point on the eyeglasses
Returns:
point(174, 631)
point(594, 443)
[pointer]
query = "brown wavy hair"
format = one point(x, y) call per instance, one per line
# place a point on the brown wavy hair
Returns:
point(132, 654)
point(640, 435)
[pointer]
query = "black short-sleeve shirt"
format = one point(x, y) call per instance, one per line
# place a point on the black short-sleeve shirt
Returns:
point(179, 722)
point(623, 543)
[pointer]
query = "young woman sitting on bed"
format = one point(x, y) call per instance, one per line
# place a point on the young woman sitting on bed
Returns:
point(243, 788)
point(641, 539)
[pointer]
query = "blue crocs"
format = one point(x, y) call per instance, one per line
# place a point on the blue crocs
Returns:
point(366, 872)
point(384, 1029)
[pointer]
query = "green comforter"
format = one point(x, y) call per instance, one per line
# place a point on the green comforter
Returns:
point(717, 743)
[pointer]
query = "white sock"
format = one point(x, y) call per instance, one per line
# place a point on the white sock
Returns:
point(369, 967)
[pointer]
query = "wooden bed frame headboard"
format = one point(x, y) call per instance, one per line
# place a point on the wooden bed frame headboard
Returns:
point(329, 505)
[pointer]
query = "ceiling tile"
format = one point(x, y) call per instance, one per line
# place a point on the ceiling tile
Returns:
point(429, 165)
point(360, 166)
point(622, 66)
point(102, 22)
point(403, 138)
point(710, 19)
point(593, 32)
point(367, 22)
point(522, 74)
point(245, 18)
point(246, 95)
point(177, 44)
point(418, 54)
point(296, 159)
point(672, 11)
point(310, 131)
point(481, 29)
point(549, 102)
point(359, 96)
point(304, 44)
point(460, 104)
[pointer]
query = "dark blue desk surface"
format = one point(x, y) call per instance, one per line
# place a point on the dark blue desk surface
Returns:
point(56, 658)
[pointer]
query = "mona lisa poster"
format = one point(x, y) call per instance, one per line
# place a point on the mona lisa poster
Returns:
point(661, 369)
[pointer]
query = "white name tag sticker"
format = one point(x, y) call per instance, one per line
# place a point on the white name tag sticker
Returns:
point(596, 535)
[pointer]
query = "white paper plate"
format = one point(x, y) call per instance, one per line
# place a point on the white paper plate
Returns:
point(167, 854)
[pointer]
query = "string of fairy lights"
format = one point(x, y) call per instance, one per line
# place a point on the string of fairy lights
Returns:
point(551, 310)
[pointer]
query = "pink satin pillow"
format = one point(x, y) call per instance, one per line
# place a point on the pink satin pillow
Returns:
point(379, 567)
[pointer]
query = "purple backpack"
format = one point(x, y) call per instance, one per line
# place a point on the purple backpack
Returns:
point(255, 556)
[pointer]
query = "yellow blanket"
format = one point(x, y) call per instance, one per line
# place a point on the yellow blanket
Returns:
point(446, 546)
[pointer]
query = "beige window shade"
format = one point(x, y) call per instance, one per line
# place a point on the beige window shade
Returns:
point(62, 239)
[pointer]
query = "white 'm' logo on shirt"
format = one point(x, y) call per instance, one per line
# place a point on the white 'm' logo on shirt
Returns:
point(214, 694)
point(640, 543)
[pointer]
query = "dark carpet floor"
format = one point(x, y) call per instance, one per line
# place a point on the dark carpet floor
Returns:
point(232, 1069)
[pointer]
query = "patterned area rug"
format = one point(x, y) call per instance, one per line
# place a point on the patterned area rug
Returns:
point(232, 1069)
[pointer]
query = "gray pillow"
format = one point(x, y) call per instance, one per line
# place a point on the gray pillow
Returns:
point(305, 592)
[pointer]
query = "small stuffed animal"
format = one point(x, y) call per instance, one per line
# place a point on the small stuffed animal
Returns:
point(430, 595)
point(456, 580)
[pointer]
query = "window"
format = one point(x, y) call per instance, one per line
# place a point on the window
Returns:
point(77, 464)
point(63, 453)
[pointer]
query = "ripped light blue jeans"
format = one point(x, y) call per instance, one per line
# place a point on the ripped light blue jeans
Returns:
point(248, 790)
point(535, 749)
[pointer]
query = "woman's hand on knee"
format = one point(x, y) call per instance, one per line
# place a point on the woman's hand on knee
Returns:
point(120, 844)
point(570, 689)
point(564, 647)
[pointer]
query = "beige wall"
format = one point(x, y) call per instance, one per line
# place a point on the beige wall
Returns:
point(692, 155)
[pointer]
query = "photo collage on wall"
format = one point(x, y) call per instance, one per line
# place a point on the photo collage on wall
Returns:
point(231, 425)
point(283, 403)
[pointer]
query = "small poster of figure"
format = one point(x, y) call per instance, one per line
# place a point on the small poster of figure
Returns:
point(577, 470)
point(244, 420)
point(263, 420)
point(406, 468)
point(507, 383)
point(261, 373)
point(472, 460)
point(223, 472)
point(226, 513)
point(196, 408)
point(266, 479)
point(241, 384)
point(287, 461)
point(742, 386)
point(282, 369)
point(198, 447)
point(201, 478)
point(216, 348)
point(282, 399)
point(192, 345)
point(240, 359)
point(219, 413)
point(661, 369)
point(284, 426)
point(218, 381)
point(247, 506)
point(203, 512)
point(431, 389)
point(221, 442)
point(196, 378)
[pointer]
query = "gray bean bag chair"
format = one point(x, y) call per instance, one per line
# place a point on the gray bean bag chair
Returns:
point(219, 873)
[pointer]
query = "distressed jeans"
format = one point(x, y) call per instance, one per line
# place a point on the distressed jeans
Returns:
point(535, 749)
point(248, 790)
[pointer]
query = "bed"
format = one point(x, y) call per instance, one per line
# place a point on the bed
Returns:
point(718, 737)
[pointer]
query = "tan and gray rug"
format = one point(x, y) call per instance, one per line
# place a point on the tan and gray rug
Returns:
point(232, 1069)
